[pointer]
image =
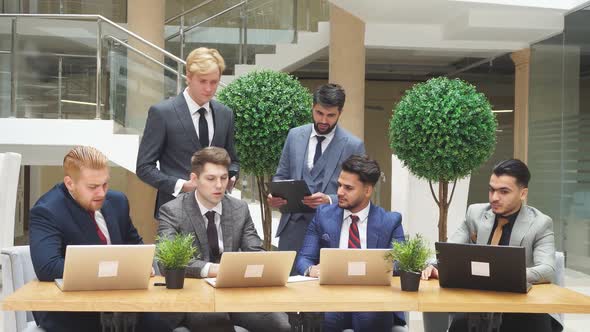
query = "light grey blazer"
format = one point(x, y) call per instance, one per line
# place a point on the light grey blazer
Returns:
point(294, 159)
point(532, 230)
point(182, 215)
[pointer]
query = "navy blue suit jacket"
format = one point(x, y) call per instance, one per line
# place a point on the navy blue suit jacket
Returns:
point(57, 221)
point(324, 232)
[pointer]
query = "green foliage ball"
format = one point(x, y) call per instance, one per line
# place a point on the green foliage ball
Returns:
point(443, 129)
point(266, 105)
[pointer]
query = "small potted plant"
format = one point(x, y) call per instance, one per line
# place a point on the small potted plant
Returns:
point(411, 258)
point(174, 254)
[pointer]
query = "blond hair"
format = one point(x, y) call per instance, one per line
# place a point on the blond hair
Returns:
point(83, 156)
point(203, 60)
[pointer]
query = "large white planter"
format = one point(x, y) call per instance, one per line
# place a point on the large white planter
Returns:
point(412, 198)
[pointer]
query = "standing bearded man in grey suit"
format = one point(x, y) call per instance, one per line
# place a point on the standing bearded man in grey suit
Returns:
point(314, 153)
point(179, 126)
point(220, 224)
point(506, 220)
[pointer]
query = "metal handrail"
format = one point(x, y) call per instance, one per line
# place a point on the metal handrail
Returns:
point(89, 17)
point(176, 34)
point(188, 11)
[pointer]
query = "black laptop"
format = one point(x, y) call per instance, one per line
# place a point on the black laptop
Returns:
point(474, 266)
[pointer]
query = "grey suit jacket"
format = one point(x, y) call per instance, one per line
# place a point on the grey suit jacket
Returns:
point(293, 160)
point(170, 138)
point(182, 215)
point(532, 230)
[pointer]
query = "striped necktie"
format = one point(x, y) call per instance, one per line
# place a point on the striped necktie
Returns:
point(354, 239)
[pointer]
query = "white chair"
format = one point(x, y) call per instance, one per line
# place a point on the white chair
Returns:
point(9, 172)
point(17, 270)
point(440, 321)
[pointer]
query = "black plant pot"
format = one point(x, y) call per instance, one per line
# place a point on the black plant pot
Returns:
point(410, 281)
point(175, 279)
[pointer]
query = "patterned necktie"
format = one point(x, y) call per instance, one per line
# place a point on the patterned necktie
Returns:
point(212, 237)
point(203, 128)
point(318, 149)
point(498, 231)
point(103, 239)
point(354, 239)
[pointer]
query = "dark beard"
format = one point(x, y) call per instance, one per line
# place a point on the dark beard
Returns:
point(317, 130)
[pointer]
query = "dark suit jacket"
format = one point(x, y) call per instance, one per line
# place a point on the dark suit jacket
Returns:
point(293, 160)
point(182, 215)
point(170, 138)
point(57, 221)
point(324, 232)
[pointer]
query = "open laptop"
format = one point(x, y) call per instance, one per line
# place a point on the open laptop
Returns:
point(474, 266)
point(100, 267)
point(253, 269)
point(354, 267)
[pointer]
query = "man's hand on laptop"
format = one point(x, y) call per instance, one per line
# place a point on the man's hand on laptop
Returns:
point(315, 200)
point(314, 271)
point(153, 273)
point(429, 272)
point(213, 269)
point(276, 202)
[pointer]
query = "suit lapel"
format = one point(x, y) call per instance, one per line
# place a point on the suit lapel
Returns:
point(191, 207)
point(373, 226)
point(301, 146)
point(485, 228)
point(332, 155)
point(217, 119)
point(336, 228)
point(110, 220)
point(520, 227)
point(185, 119)
point(226, 225)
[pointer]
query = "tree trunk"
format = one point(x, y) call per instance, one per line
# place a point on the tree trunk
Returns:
point(443, 210)
point(265, 213)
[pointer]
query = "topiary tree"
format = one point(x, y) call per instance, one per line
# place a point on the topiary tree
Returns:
point(266, 105)
point(442, 130)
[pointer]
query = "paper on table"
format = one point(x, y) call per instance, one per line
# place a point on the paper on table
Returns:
point(211, 281)
point(481, 269)
point(300, 278)
point(357, 268)
point(108, 269)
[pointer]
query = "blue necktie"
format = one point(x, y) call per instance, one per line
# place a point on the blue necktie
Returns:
point(318, 149)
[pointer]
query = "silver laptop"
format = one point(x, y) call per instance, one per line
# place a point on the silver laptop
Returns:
point(253, 269)
point(355, 267)
point(100, 267)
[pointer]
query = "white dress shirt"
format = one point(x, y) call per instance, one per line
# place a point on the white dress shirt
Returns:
point(217, 209)
point(193, 108)
point(362, 225)
point(102, 225)
point(313, 142)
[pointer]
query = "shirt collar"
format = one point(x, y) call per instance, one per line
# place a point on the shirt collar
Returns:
point(511, 218)
point(362, 214)
point(216, 208)
point(327, 136)
point(193, 107)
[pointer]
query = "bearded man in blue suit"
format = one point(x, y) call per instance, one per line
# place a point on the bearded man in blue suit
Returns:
point(352, 223)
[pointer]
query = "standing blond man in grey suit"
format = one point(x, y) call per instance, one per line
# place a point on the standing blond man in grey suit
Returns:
point(506, 220)
point(221, 224)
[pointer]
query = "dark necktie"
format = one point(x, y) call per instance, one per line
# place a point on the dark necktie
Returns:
point(212, 237)
point(103, 239)
point(318, 149)
point(354, 239)
point(203, 128)
point(498, 231)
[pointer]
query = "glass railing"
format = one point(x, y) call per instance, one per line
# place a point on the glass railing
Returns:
point(242, 29)
point(48, 69)
point(114, 10)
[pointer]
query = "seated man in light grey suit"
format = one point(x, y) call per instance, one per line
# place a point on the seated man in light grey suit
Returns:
point(314, 153)
point(506, 220)
point(220, 224)
point(177, 127)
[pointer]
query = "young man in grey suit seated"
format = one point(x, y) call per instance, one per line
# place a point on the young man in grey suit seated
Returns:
point(220, 224)
point(506, 220)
